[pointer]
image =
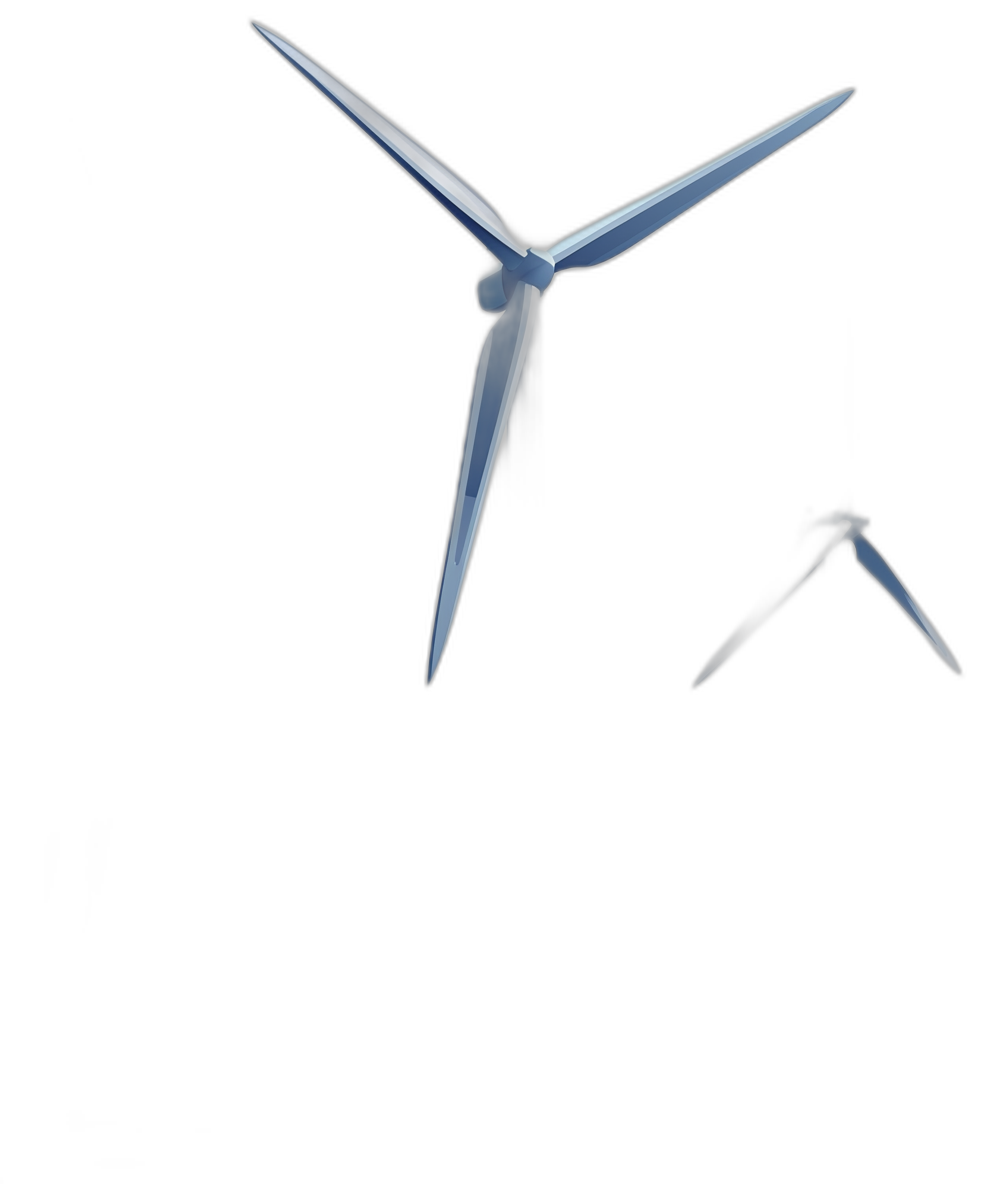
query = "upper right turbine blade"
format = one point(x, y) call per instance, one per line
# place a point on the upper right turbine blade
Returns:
point(624, 228)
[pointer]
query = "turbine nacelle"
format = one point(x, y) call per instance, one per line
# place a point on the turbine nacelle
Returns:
point(495, 290)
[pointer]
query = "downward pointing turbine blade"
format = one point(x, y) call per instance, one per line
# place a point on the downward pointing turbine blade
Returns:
point(619, 231)
point(496, 381)
point(873, 563)
point(452, 192)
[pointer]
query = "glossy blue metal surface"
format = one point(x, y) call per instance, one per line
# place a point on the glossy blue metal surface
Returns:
point(490, 291)
point(480, 218)
point(623, 229)
point(873, 562)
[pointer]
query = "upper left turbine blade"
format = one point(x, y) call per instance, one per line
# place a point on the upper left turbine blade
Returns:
point(451, 191)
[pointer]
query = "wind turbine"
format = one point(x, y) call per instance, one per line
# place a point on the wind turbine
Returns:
point(523, 275)
point(817, 539)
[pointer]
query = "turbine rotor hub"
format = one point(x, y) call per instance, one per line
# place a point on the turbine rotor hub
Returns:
point(536, 268)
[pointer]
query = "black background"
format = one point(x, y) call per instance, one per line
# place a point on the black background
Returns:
point(295, 845)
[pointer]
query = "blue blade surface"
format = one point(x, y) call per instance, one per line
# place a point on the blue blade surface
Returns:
point(451, 191)
point(496, 382)
point(622, 229)
point(873, 563)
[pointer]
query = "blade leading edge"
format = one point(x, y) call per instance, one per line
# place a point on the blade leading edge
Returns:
point(497, 379)
point(619, 231)
point(451, 191)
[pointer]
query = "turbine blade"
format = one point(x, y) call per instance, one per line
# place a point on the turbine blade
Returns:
point(873, 563)
point(451, 191)
point(768, 608)
point(496, 381)
point(622, 229)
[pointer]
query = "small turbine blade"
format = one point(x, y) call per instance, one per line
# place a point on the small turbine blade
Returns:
point(875, 565)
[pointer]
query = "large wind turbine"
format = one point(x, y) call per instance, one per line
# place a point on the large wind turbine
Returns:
point(518, 283)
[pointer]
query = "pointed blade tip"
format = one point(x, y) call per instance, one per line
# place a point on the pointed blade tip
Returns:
point(434, 658)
